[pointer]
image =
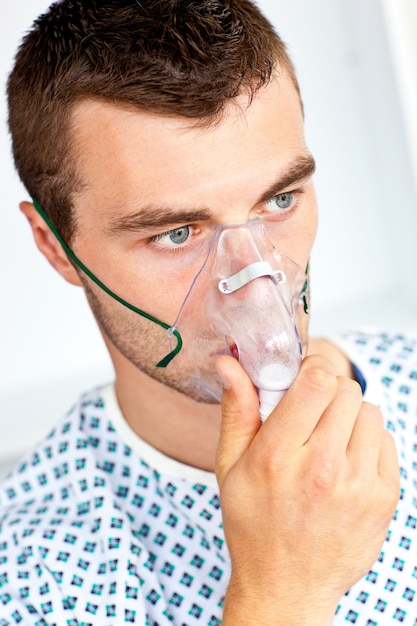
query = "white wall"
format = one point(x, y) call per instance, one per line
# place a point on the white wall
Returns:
point(366, 254)
point(401, 22)
point(50, 347)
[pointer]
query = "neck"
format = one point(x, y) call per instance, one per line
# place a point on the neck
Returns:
point(174, 424)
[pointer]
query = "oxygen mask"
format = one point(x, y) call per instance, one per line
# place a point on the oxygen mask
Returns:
point(248, 301)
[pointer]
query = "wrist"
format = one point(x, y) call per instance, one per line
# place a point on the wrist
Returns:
point(250, 603)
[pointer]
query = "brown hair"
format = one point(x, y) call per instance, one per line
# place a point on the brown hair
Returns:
point(174, 57)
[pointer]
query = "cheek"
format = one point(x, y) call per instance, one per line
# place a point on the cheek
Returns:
point(156, 290)
point(312, 228)
point(306, 231)
point(160, 294)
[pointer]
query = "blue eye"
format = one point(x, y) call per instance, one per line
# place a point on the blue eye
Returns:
point(283, 200)
point(176, 239)
point(179, 235)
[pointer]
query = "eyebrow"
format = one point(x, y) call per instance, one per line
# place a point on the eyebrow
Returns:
point(299, 170)
point(154, 217)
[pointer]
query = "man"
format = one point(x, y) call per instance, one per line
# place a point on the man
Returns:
point(149, 134)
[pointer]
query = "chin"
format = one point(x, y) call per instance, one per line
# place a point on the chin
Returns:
point(200, 391)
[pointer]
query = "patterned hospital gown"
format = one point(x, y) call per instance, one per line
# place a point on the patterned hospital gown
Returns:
point(99, 528)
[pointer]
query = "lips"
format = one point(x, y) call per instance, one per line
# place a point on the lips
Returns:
point(234, 350)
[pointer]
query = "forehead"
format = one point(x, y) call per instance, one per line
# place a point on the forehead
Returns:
point(123, 153)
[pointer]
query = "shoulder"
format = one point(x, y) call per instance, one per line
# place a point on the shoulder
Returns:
point(44, 472)
point(388, 357)
point(382, 343)
point(388, 363)
point(61, 531)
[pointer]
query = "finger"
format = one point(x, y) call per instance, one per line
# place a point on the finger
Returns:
point(335, 428)
point(293, 421)
point(240, 415)
point(388, 466)
point(372, 451)
point(365, 442)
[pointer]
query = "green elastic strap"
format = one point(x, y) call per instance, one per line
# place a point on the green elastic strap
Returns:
point(168, 358)
point(304, 291)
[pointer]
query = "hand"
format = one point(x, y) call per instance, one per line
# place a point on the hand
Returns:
point(307, 497)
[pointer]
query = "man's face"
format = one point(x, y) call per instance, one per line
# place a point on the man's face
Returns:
point(156, 187)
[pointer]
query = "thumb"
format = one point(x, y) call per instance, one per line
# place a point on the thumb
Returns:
point(240, 415)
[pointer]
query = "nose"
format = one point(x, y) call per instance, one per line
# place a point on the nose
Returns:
point(243, 270)
point(239, 246)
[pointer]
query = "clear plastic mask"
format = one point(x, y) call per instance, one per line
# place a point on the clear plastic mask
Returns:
point(248, 301)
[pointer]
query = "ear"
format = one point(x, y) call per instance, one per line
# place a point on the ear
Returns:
point(49, 245)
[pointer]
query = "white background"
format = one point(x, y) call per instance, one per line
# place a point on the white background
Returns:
point(356, 65)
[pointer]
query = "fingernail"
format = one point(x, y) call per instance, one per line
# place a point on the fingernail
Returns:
point(225, 382)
